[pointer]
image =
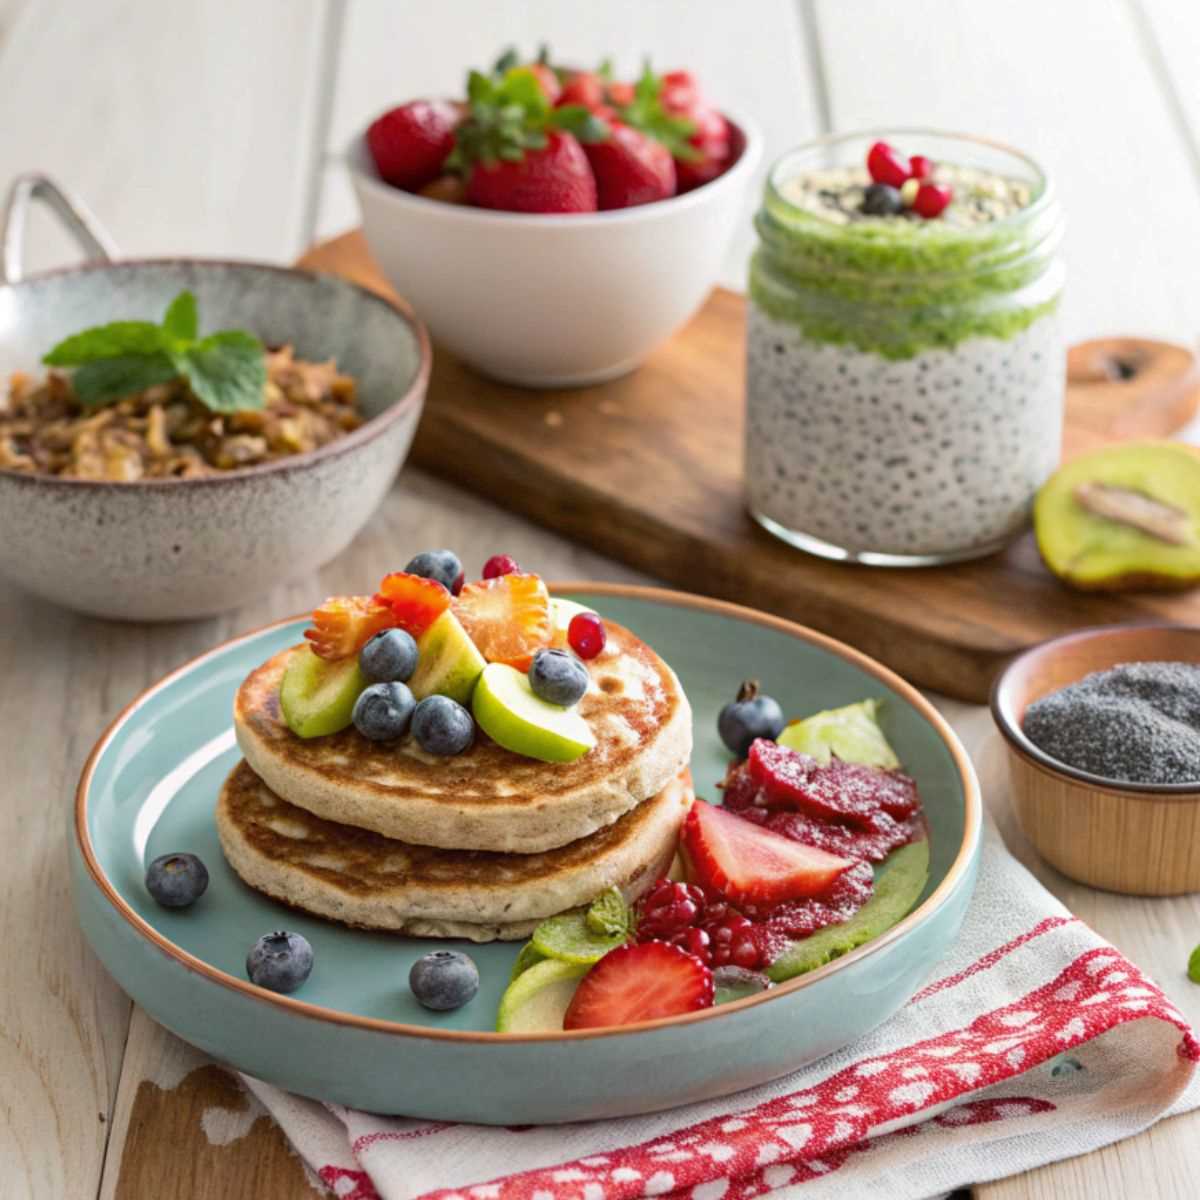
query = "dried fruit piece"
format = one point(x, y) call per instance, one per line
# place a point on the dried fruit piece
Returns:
point(415, 602)
point(508, 618)
point(343, 625)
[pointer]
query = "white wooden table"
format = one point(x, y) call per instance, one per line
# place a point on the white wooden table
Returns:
point(214, 128)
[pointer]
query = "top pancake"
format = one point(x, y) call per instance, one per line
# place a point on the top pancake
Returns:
point(487, 798)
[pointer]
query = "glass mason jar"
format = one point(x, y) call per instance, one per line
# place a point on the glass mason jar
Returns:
point(904, 377)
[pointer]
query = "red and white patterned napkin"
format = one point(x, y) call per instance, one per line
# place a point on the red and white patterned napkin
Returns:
point(1036, 1041)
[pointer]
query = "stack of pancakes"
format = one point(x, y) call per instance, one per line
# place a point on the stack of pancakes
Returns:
point(484, 845)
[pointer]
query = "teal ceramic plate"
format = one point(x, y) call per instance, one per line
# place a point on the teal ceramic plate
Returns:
point(354, 1035)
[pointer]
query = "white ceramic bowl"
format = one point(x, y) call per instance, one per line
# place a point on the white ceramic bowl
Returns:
point(167, 549)
point(558, 300)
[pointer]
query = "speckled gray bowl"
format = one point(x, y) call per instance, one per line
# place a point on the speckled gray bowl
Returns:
point(171, 549)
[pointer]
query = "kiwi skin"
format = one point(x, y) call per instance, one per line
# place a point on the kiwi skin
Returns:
point(1091, 553)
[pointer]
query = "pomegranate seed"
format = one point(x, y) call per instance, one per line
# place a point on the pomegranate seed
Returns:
point(886, 166)
point(695, 941)
point(500, 564)
point(931, 199)
point(586, 635)
point(922, 167)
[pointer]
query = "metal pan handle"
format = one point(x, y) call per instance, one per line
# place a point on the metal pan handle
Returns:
point(75, 216)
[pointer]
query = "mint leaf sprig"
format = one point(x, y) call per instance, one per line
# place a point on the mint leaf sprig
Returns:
point(226, 371)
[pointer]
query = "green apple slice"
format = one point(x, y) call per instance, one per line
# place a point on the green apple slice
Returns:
point(561, 613)
point(448, 663)
point(852, 733)
point(528, 956)
point(537, 1000)
point(317, 697)
point(512, 716)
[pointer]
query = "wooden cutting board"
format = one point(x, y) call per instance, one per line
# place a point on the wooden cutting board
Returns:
point(647, 470)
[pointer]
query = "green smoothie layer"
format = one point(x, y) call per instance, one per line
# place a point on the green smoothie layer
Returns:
point(899, 286)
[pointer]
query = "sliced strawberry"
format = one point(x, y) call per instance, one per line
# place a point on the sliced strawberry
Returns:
point(746, 863)
point(508, 618)
point(343, 625)
point(836, 791)
point(415, 602)
point(640, 983)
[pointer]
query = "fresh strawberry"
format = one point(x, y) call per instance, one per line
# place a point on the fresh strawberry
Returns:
point(640, 983)
point(630, 168)
point(619, 94)
point(508, 618)
point(519, 153)
point(415, 602)
point(672, 109)
point(343, 625)
point(745, 863)
point(543, 75)
point(553, 179)
point(409, 144)
point(583, 87)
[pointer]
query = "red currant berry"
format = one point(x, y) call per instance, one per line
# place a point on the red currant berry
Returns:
point(931, 199)
point(500, 564)
point(922, 167)
point(586, 634)
point(886, 166)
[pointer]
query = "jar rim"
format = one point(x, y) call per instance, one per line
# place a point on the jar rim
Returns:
point(1044, 193)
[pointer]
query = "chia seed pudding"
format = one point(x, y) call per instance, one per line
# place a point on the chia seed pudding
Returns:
point(905, 374)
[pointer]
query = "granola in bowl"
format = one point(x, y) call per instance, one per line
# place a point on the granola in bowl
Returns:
point(164, 432)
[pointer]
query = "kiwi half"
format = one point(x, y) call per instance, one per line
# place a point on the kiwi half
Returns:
point(1124, 518)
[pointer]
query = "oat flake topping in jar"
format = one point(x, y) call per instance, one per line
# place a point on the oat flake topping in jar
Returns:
point(904, 373)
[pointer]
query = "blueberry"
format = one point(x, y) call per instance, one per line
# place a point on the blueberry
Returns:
point(176, 880)
point(881, 200)
point(389, 657)
point(752, 715)
point(444, 980)
point(442, 726)
point(382, 711)
point(442, 565)
point(558, 677)
point(280, 961)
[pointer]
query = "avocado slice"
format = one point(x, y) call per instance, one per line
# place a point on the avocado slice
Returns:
point(899, 881)
point(1123, 518)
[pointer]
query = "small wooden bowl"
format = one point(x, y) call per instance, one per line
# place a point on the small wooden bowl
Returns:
point(1138, 838)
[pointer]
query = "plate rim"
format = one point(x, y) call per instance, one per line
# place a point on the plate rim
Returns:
point(957, 871)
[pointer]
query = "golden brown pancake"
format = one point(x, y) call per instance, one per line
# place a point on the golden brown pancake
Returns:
point(487, 798)
point(363, 879)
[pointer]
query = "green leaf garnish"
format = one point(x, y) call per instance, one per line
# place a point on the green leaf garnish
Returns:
point(609, 916)
point(647, 114)
point(1194, 966)
point(226, 371)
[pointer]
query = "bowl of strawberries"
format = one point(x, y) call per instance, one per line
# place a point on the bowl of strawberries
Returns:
point(557, 224)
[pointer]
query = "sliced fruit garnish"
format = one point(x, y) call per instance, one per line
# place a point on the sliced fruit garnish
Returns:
point(561, 614)
point(639, 983)
point(415, 602)
point(567, 937)
point(837, 791)
point(744, 862)
point(343, 625)
point(316, 696)
point(513, 717)
point(448, 663)
point(537, 999)
point(508, 618)
point(851, 733)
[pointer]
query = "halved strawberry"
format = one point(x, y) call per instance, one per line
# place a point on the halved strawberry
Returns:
point(415, 602)
point(640, 983)
point(508, 618)
point(745, 863)
point(343, 625)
